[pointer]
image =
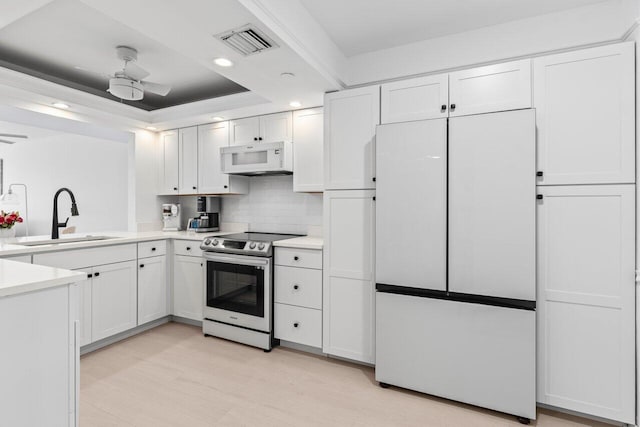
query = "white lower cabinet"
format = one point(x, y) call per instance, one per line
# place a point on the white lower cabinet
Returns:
point(348, 275)
point(114, 299)
point(586, 299)
point(84, 300)
point(188, 287)
point(153, 296)
point(298, 296)
point(39, 361)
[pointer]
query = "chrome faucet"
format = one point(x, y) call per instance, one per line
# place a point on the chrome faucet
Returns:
point(74, 212)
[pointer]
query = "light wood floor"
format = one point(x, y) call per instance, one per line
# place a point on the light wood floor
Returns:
point(173, 376)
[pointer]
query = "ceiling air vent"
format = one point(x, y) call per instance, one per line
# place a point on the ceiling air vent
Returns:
point(247, 40)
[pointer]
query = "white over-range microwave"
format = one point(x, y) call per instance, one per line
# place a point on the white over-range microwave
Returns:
point(271, 158)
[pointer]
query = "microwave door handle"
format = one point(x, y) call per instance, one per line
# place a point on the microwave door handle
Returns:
point(231, 260)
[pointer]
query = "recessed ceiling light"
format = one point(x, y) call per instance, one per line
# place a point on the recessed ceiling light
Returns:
point(223, 62)
point(152, 128)
point(287, 75)
point(60, 105)
point(295, 104)
point(217, 118)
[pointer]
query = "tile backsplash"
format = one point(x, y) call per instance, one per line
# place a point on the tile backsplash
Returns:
point(272, 206)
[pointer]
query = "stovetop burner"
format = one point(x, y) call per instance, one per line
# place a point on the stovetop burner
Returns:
point(249, 243)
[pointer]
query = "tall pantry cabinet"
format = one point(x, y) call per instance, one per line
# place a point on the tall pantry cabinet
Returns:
point(586, 231)
point(350, 120)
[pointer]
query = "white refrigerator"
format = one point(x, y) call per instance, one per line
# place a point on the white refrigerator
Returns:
point(455, 259)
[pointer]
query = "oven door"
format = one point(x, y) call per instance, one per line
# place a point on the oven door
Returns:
point(238, 290)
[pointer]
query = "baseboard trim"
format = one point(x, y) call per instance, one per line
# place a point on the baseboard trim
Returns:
point(123, 335)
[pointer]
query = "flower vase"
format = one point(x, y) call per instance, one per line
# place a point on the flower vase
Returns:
point(7, 232)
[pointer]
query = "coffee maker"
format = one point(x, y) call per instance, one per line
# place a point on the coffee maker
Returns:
point(205, 221)
point(171, 216)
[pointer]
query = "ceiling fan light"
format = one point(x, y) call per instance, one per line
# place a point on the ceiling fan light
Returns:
point(126, 89)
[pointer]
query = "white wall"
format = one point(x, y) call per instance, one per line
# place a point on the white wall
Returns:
point(96, 170)
point(598, 23)
point(272, 206)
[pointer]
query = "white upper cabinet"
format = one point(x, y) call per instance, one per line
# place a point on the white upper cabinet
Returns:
point(585, 102)
point(244, 131)
point(307, 150)
point(169, 154)
point(499, 87)
point(188, 160)
point(586, 299)
point(276, 127)
point(415, 99)
point(211, 180)
point(350, 120)
point(268, 128)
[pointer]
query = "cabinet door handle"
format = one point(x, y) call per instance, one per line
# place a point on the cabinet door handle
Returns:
point(373, 179)
point(296, 258)
point(259, 138)
point(175, 188)
point(453, 107)
point(443, 107)
point(539, 173)
point(295, 325)
point(539, 196)
point(141, 265)
point(89, 276)
point(96, 274)
point(226, 186)
point(255, 139)
point(296, 287)
point(194, 188)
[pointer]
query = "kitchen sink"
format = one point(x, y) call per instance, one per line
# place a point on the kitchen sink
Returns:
point(64, 240)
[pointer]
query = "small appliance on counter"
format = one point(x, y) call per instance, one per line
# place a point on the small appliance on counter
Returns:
point(205, 222)
point(171, 216)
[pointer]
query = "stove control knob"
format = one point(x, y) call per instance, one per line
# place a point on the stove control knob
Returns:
point(215, 242)
point(252, 245)
point(207, 241)
point(261, 246)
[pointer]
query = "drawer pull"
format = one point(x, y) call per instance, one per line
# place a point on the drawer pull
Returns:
point(141, 265)
point(295, 325)
point(188, 248)
point(296, 287)
point(296, 258)
point(153, 249)
point(96, 274)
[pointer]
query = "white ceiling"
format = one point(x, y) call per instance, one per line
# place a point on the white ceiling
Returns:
point(359, 26)
point(32, 132)
point(51, 41)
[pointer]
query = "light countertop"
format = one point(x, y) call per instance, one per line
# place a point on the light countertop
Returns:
point(16, 246)
point(17, 277)
point(303, 242)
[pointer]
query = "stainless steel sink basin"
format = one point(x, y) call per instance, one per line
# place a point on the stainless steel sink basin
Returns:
point(64, 240)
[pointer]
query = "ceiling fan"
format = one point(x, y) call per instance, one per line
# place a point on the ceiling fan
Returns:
point(128, 83)
point(10, 135)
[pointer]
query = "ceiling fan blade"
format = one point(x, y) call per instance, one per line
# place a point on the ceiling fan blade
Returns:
point(157, 88)
point(6, 141)
point(135, 71)
point(13, 135)
point(97, 73)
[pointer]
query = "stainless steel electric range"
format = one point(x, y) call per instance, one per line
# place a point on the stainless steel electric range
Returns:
point(238, 300)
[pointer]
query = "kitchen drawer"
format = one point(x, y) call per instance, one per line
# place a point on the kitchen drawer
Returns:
point(299, 325)
point(298, 286)
point(307, 258)
point(154, 248)
point(79, 258)
point(187, 247)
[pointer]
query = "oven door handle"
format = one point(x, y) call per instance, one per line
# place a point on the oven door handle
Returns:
point(231, 260)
